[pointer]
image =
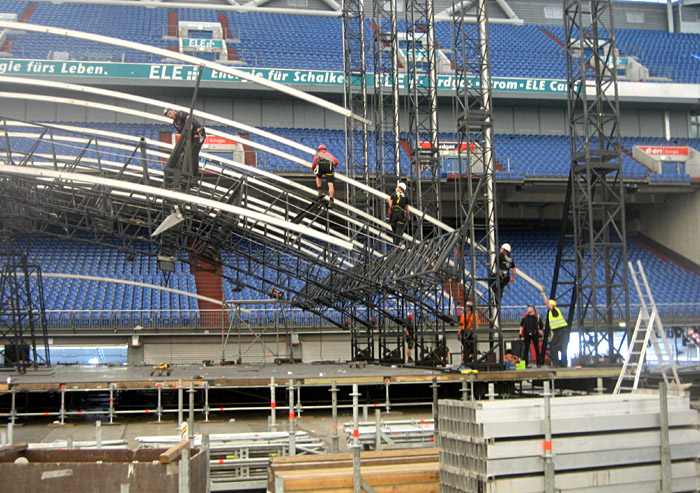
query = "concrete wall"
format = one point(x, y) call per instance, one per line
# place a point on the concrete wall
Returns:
point(654, 14)
point(675, 224)
point(508, 118)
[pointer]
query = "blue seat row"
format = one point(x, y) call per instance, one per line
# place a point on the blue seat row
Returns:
point(309, 42)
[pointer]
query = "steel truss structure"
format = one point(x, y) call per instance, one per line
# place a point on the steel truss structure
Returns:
point(355, 82)
point(22, 315)
point(107, 190)
point(386, 93)
point(421, 103)
point(408, 277)
point(477, 208)
point(590, 274)
point(356, 144)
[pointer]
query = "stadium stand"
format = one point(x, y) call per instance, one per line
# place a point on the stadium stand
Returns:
point(307, 42)
point(518, 156)
point(89, 303)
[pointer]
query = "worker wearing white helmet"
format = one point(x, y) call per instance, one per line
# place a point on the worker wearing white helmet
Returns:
point(398, 213)
point(506, 265)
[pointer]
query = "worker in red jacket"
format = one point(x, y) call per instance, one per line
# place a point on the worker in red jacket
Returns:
point(324, 167)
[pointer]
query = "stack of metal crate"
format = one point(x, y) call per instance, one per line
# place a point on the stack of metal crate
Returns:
point(239, 461)
point(414, 433)
point(599, 443)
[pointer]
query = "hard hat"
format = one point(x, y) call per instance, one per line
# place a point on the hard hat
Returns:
point(166, 110)
point(506, 246)
point(553, 302)
point(469, 303)
point(402, 186)
point(322, 147)
point(410, 316)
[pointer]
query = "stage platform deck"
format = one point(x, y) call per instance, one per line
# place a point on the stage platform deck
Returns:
point(106, 392)
point(321, 374)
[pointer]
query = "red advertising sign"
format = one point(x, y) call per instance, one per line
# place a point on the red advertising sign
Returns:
point(212, 140)
point(664, 151)
point(450, 146)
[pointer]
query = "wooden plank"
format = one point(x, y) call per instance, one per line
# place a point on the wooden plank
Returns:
point(397, 476)
point(440, 377)
point(13, 449)
point(370, 454)
point(399, 488)
point(34, 387)
point(173, 453)
point(353, 379)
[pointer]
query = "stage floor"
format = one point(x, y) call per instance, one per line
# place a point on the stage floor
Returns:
point(322, 374)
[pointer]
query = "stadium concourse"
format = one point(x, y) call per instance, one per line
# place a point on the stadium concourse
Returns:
point(144, 280)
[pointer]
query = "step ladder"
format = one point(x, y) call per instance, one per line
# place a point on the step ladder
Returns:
point(648, 328)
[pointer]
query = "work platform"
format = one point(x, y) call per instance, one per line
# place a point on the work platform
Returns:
point(108, 391)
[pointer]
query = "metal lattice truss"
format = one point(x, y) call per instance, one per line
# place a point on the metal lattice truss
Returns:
point(422, 110)
point(476, 161)
point(404, 272)
point(108, 189)
point(386, 92)
point(356, 130)
point(22, 315)
point(111, 189)
point(591, 269)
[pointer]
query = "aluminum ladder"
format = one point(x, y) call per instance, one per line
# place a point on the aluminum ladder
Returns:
point(648, 319)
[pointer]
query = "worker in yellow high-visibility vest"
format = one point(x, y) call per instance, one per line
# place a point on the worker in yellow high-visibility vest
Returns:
point(560, 333)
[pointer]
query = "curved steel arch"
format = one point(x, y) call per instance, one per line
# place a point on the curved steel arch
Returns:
point(169, 194)
point(20, 26)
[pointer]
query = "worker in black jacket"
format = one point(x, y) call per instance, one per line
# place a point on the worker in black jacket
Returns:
point(530, 328)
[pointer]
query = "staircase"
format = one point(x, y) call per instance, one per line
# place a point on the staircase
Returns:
point(456, 290)
point(27, 14)
point(209, 284)
point(173, 21)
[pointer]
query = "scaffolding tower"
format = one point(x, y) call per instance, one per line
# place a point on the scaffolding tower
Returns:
point(590, 275)
point(476, 187)
point(386, 95)
point(22, 314)
point(421, 103)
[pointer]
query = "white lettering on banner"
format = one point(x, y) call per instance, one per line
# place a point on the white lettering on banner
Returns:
point(33, 67)
point(534, 85)
point(445, 82)
point(81, 69)
point(665, 151)
point(172, 72)
point(277, 75)
point(505, 85)
point(318, 78)
point(557, 85)
point(216, 75)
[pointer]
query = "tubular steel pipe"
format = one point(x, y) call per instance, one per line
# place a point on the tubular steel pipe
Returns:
point(356, 473)
point(334, 403)
point(190, 417)
point(180, 398)
point(159, 409)
point(273, 406)
point(547, 444)
point(292, 432)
